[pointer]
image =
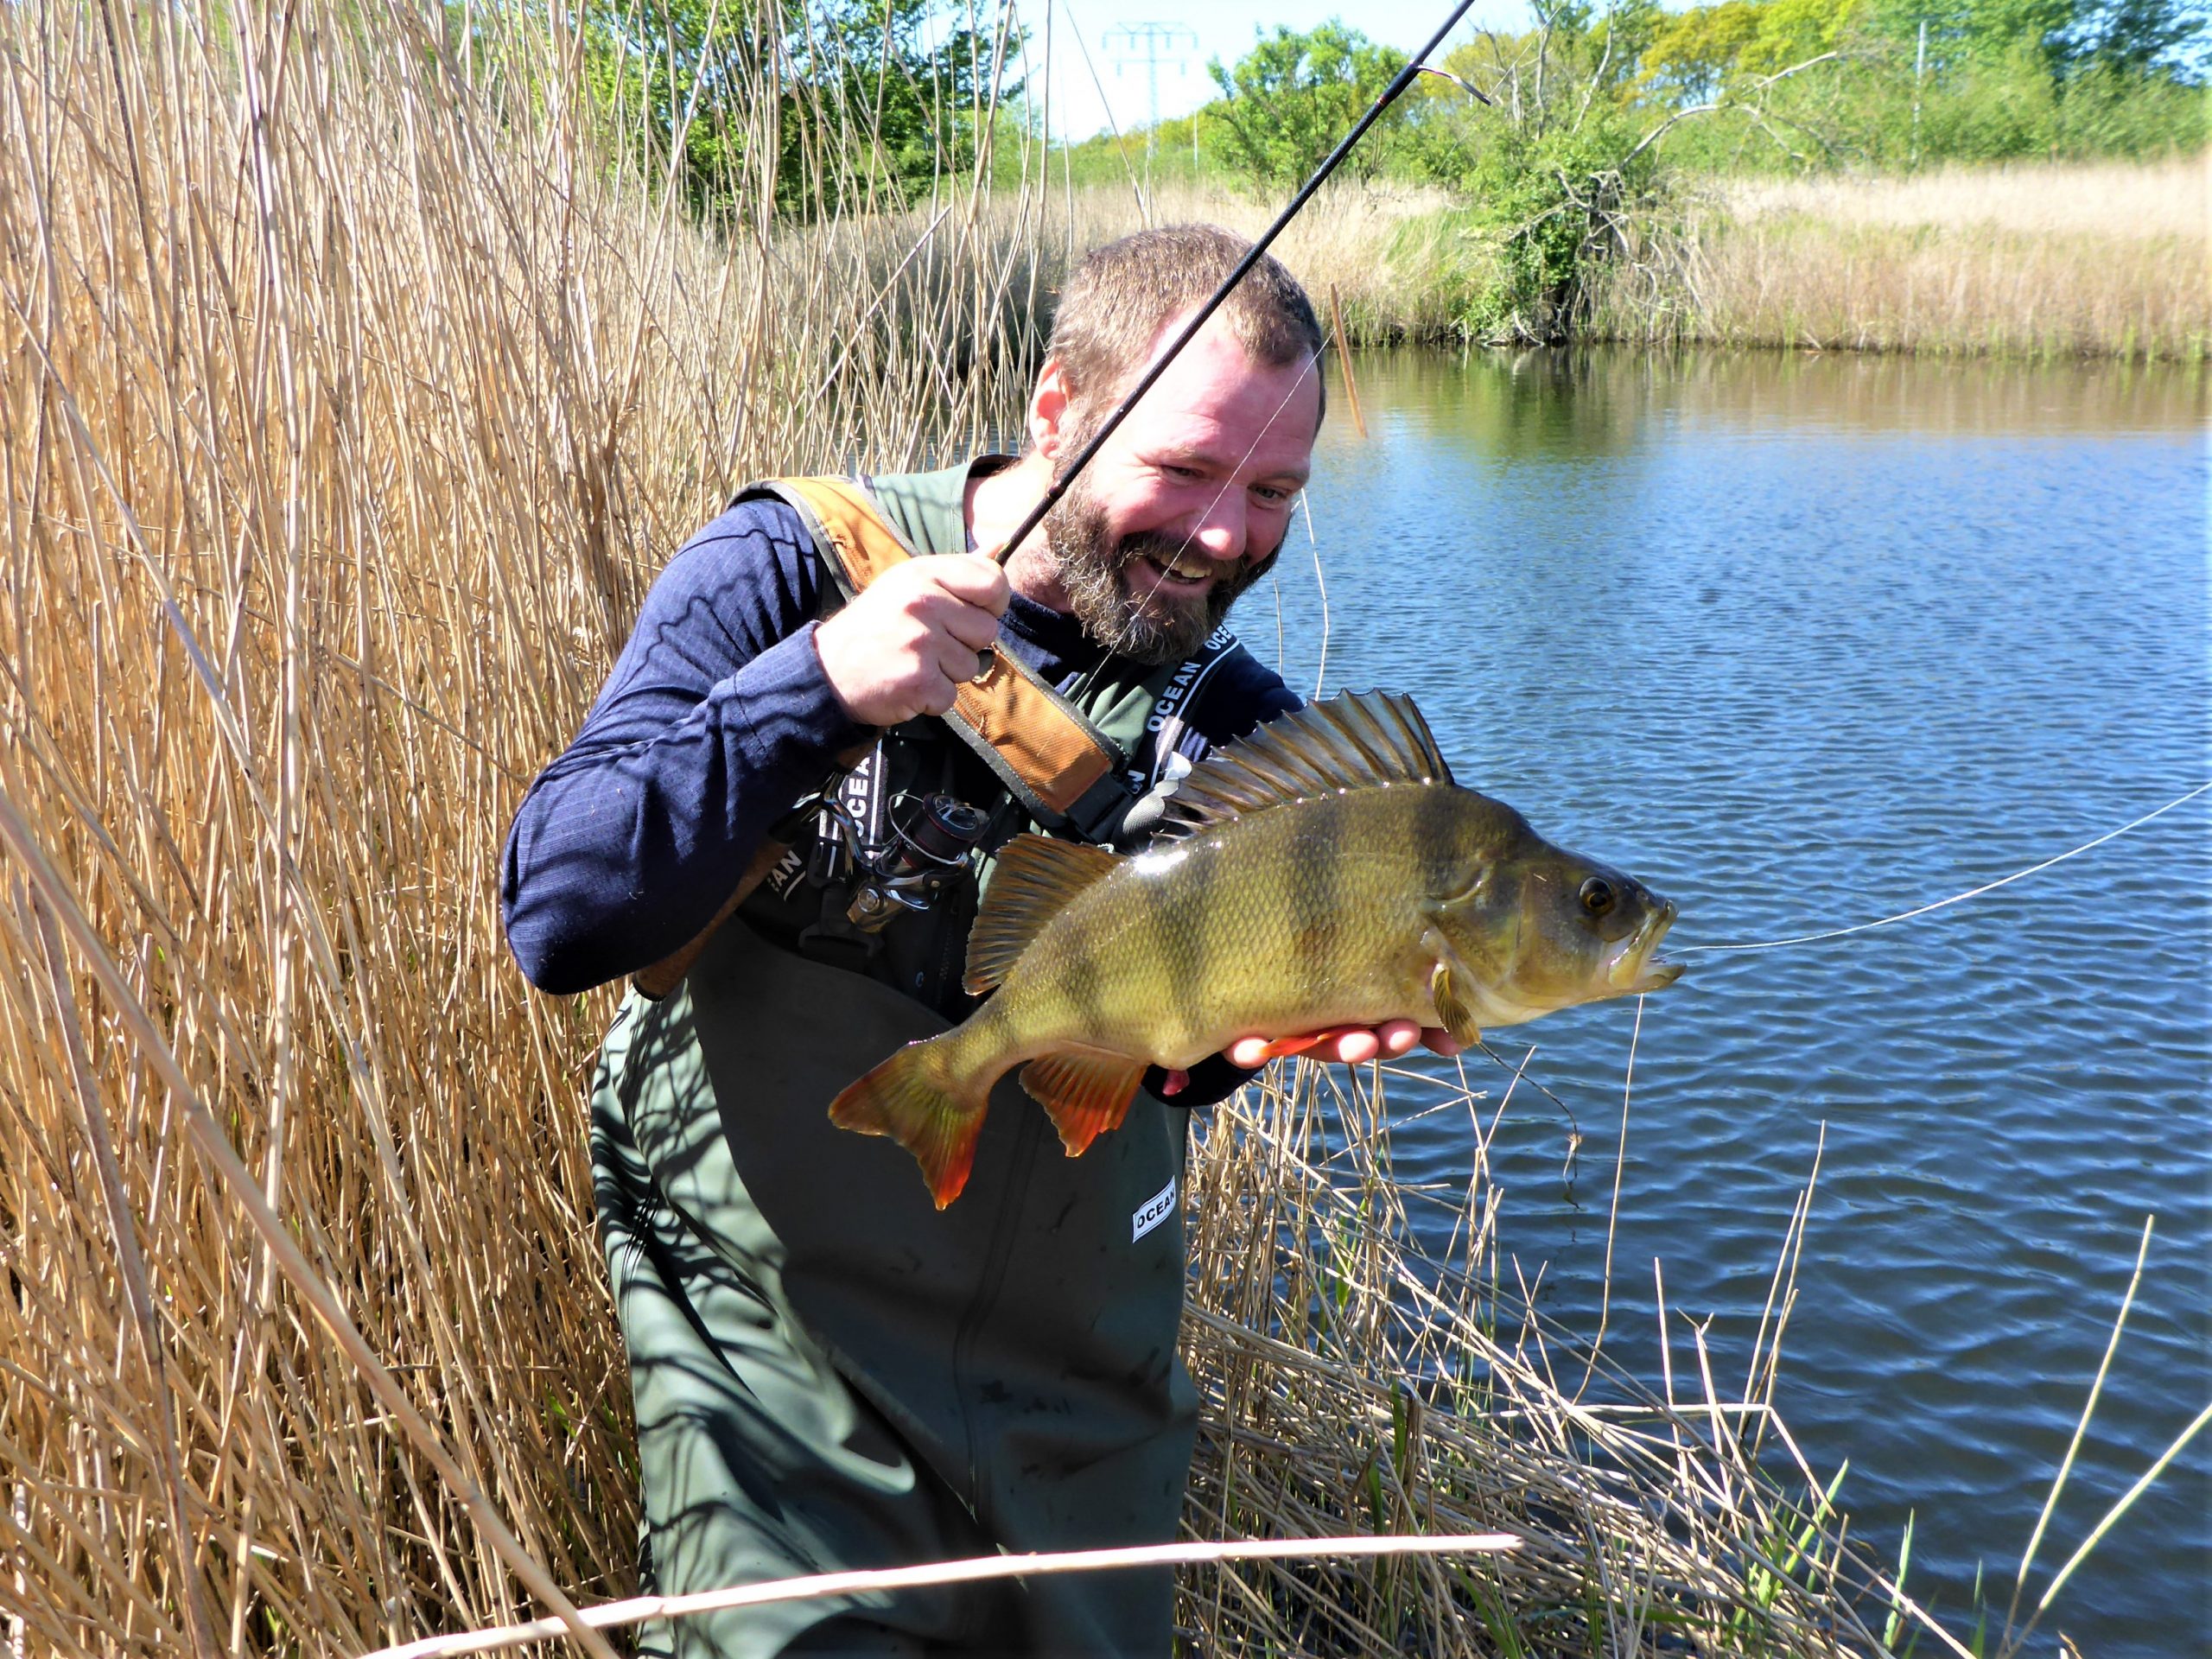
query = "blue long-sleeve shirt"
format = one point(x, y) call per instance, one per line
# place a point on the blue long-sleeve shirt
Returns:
point(716, 719)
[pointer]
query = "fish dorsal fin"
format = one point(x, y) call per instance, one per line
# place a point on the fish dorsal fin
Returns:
point(1032, 883)
point(1367, 740)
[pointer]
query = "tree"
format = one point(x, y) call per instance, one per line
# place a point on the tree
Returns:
point(819, 105)
point(1292, 97)
point(2139, 37)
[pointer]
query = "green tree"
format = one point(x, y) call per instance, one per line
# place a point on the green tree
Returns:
point(819, 103)
point(1692, 58)
point(2141, 37)
point(1555, 169)
point(1292, 97)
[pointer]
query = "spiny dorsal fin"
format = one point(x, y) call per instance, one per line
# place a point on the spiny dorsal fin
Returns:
point(1034, 880)
point(1367, 740)
point(1084, 1095)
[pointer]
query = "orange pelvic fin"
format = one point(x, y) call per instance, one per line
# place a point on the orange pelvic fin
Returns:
point(1282, 1047)
point(1085, 1093)
point(918, 1100)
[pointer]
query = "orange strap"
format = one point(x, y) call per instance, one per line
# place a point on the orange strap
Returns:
point(1035, 736)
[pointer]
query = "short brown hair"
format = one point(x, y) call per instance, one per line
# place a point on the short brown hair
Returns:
point(1120, 298)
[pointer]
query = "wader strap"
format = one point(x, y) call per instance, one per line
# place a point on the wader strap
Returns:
point(1065, 772)
point(1059, 767)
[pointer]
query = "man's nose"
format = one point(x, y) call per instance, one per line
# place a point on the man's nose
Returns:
point(1222, 531)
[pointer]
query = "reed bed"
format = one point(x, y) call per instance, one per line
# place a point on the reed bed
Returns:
point(350, 395)
point(347, 401)
point(1397, 254)
point(2060, 260)
point(1354, 1379)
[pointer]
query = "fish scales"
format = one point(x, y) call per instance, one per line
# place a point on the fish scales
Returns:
point(1238, 909)
point(1333, 874)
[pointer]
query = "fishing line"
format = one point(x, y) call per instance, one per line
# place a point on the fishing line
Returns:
point(1957, 898)
point(1321, 586)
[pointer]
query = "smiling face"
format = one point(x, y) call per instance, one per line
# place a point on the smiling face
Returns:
point(1190, 498)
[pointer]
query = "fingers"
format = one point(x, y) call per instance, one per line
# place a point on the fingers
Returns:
point(1353, 1048)
point(1436, 1040)
point(1397, 1037)
point(972, 625)
point(1345, 1046)
point(907, 643)
point(972, 578)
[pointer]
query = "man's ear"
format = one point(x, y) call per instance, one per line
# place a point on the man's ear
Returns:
point(1050, 407)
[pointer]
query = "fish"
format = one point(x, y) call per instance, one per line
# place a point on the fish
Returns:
point(1325, 871)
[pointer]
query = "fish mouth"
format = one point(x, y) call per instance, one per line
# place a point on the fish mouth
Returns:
point(1638, 968)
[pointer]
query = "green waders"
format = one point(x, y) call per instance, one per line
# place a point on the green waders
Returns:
point(830, 1374)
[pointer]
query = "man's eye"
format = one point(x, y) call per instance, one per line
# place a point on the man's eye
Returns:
point(1273, 497)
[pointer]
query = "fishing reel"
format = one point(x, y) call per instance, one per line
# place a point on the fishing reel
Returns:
point(905, 871)
point(927, 850)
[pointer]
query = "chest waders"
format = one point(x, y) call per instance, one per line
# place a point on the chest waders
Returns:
point(828, 1372)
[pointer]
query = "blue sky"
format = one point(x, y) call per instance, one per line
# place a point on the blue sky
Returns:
point(1223, 28)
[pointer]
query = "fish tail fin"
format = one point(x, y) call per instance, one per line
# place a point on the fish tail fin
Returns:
point(927, 1099)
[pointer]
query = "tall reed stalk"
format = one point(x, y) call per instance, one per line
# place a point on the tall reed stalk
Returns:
point(351, 393)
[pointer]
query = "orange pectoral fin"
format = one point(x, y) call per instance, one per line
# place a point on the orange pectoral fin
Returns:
point(1085, 1093)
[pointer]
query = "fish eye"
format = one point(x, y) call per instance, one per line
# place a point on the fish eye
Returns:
point(1598, 895)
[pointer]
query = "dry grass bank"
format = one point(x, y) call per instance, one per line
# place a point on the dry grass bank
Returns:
point(346, 406)
point(2066, 261)
point(1389, 250)
point(2073, 260)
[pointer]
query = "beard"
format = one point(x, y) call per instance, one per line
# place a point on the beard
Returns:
point(1153, 628)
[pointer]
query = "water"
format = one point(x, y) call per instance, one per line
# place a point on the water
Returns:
point(1806, 642)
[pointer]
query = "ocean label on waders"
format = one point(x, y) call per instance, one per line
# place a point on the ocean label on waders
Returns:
point(1153, 1210)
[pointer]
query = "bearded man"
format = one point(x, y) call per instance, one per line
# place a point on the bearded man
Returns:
point(828, 1372)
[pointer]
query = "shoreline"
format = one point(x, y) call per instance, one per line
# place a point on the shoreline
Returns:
point(2041, 262)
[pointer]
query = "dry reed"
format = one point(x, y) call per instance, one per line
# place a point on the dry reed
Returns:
point(1391, 250)
point(1353, 1377)
point(2062, 260)
point(348, 401)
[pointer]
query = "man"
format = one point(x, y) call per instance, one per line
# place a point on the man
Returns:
point(828, 1373)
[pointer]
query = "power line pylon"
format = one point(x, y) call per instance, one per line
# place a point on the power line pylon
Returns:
point(1150, 45)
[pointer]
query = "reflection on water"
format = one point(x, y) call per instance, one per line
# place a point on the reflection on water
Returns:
point(1541, 403)
point(1806, 641)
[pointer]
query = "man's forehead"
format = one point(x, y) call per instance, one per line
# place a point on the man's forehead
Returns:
point(1217, 340)
point(1217, 390)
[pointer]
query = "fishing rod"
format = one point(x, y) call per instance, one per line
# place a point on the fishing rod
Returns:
point(1403, 79)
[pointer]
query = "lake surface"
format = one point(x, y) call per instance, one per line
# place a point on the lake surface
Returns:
point(1806, 642)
